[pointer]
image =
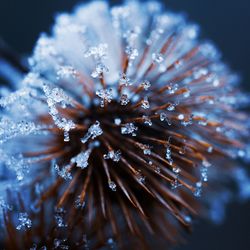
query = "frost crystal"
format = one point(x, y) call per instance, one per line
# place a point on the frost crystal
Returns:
point(157, 58)
point(81, 159)
point(106, 95)
point(65, 72)
point(59, 214)
point(63, 172)
point(145, 103)
point(24, 221)
point(112, 186)
point(129, 128)
point(113, 155)
point(146, 84)
point(124, 80)
point(124, 99)
point(93, 131)
point(147, 120)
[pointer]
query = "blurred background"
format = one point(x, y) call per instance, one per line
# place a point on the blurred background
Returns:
point(226, 22)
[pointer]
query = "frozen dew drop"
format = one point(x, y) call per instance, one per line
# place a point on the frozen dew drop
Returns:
point(181, 117)
point(117, 121)
point(112, 186)
point(145, 103)
point(198, 189)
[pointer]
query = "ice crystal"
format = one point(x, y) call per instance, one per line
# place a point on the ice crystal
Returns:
point(106, 95)
point(93, 131)
point(113, 155)
point(129, 128)
point(24, 221)
point(81, 159)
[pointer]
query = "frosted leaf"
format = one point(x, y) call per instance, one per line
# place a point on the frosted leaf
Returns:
point(145, 103)
point(147, 120)
point(63, 172)
point(66, 72)
point(198, 189)
point(93, 131)
point(117, 121)
point(106, 95)
point(124, 80)
point(113, 155)
point(146, 84)
point(81, 159)
point(124, 100)
point(129, 128)
point(99, 52)
point(112, 186)
point(157, 58)
point(24, 221)
point(59, 214)
point(131, 52)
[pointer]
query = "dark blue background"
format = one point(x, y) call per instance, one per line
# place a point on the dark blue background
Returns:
point(226, 22)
